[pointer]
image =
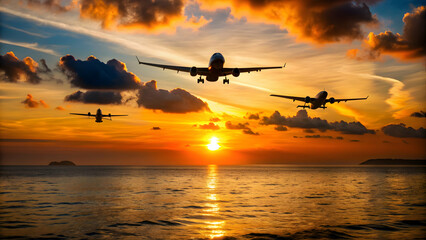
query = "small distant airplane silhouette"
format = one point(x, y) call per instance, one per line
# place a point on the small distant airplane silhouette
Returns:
point(98, 115)
point(213, 71)
point(318, 101)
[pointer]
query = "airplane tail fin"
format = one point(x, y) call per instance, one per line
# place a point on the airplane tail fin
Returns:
point(138, 60)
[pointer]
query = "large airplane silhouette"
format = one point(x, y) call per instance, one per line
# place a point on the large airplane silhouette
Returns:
point(318, 101)
point(98, 116)
point(213, 71)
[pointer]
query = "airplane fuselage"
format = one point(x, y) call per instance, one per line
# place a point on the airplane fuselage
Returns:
point(215, 67)
point(320, 99)
point(98, 116)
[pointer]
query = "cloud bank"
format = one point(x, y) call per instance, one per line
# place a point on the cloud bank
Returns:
point(15, 70)
point(94, 74)
point(95, 97)
point(175, 101)
point(302, 120)
point(315, 21)
point(401, 131)
point(420, 114)
point(134, 15)
point(210, 126)
point(410, 45)
point(240, 126)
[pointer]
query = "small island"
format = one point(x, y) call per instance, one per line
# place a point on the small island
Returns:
point(390, 161)
point(62, 163)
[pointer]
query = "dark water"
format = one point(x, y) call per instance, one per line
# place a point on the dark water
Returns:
point(238, 202)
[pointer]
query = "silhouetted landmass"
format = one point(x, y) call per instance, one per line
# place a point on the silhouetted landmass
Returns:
point(390, 161)
point(62, 163)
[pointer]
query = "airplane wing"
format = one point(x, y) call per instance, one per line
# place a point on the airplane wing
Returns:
point(346, 99)
point(200, 71)
point(228, 71)
point(205, 71)
point(84, 114)
point(302, 99)
point(104, 115)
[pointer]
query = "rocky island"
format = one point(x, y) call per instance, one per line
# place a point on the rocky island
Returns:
point(62, 163)
point(390, 161)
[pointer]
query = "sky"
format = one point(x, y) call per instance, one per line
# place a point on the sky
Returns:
point(60, 57)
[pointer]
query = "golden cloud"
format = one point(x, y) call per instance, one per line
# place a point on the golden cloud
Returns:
point(314, 21)
point(135, 15)
point(15, 69)
point(410, 45)
point(30, 102)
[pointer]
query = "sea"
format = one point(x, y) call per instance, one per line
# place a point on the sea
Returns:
point(212, 202)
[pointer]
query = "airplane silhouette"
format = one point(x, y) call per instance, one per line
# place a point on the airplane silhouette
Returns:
point(98, 116)
point(318, 101)
point(213, 71)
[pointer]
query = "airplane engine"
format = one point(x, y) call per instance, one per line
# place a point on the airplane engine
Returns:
point(193, 71)
point(88, 113)
point(332, 100)
point(236, 72)
point(307, 99)
point(109, 115)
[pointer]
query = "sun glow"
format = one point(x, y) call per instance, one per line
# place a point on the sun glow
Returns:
point(213, 145)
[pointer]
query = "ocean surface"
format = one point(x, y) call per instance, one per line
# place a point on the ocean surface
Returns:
point(212, 202)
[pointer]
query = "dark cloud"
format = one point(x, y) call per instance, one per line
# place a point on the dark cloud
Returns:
point(44, 67)
point(210, 126)
point(313, 136)
point(15, 69)
point(94, 74)
point(132, 13)
point(410, 45)
point(95, 97)
point(280, 128)
point(339, 138)
point(30, 102)
point(401, 131)
point(215, 119)
point(420, 114)
point(354, 140)
point(253, 116)
point(350, 128)
point(336, 21)
point(250, 132)
point(318, 136)
point(175, 101)
point(312, 20)
point(309, 131)
point(156, 128)
point(302, 120)
point(240, 126)
point(128, 15)
point(237, 126)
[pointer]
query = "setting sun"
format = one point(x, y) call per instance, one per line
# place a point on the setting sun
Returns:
point(213, 145)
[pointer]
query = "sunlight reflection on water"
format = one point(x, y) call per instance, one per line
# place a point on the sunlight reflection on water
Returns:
point(214, 228)
point(211, 202)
